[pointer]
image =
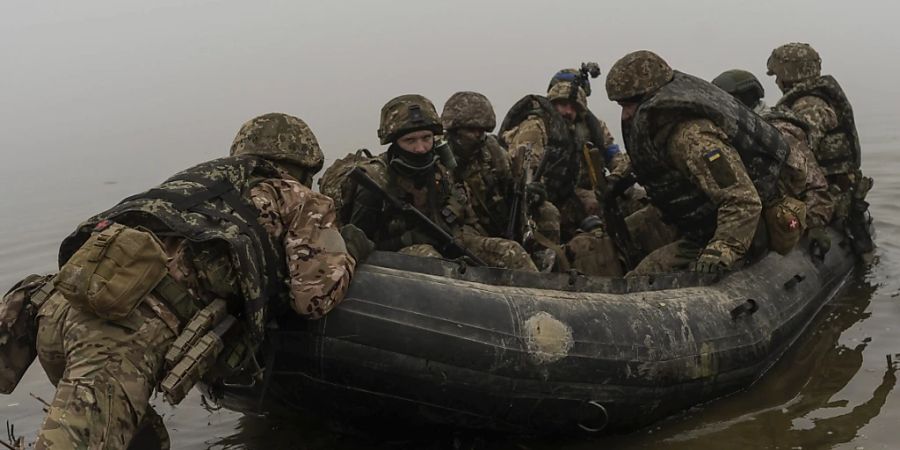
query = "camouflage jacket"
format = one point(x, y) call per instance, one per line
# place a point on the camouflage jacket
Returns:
point(802, 177)
point(489, 178)
point(700, 152)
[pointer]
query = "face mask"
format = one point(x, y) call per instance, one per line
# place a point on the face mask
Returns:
point(411, 165)
point(465, 144)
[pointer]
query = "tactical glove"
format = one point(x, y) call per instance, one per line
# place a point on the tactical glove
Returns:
point(357, 243)
point(819, 242)
point(536, 193)
point(710, 261)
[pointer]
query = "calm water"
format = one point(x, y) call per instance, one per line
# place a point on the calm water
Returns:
point(105, 98)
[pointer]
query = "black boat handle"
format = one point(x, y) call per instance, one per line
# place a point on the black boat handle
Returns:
point(793, 281)
point(749, 307)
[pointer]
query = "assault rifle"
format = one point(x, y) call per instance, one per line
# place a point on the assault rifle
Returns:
point(520, 214)
point(448, 243)
point(615, 223)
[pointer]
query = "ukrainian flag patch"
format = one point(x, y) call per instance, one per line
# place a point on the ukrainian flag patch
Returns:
point(713, 155)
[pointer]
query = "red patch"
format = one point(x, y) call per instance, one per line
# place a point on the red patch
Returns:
point(102, 225)
point(793, 224)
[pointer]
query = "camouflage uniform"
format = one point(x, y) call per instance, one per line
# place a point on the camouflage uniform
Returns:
point(427, 185)
point(485, 166)
point(105, 371)
point(739, 207)
point(805, 181)
point(802, 178)
point(833, 138)
point(692, 167)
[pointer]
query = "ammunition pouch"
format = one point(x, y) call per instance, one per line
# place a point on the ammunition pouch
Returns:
point(205, 349)
point(18, 328)
point(113, 271)
point(785, 223)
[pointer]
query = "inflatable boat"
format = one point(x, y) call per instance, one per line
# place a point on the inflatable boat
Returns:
point(422, 341)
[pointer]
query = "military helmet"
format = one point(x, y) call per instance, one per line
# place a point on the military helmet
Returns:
point(279, 137)
point(405, 114)
point(468, 110)
point(794, 62)
point(636, 74)
point(562, 90)
point(739, 82)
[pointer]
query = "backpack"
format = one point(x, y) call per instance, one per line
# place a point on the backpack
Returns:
point(337, 184)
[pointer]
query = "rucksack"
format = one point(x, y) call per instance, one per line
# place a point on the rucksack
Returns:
point(337, 183)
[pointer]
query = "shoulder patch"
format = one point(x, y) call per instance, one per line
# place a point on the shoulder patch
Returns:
point(713, 155)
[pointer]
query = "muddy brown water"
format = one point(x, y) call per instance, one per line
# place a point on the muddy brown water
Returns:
point(105, 99)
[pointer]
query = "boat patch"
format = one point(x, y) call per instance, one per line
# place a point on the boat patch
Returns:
point(547, 339)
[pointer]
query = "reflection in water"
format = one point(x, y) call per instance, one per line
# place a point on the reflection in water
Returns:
point(797, 404)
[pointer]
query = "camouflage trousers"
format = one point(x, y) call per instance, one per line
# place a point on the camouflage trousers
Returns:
point(496, 252)
point(104, 372)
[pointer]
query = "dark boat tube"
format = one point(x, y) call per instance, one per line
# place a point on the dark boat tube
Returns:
point(431, 342)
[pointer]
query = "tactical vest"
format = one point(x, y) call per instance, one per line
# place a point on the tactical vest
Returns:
point(209, 203)
point(759, 144)
point(839, 150)
point(781, 114)
point(561, 170)
point(489, 178)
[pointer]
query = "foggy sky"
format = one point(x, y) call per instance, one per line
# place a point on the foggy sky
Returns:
point(102, 98)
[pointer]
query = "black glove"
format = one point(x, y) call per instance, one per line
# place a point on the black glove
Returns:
point(536, 193)
point(710, 261)
point(357, 243)
point(819, 242)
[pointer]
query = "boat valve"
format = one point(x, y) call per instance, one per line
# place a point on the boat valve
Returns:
point(749, 307)
point(595, 417)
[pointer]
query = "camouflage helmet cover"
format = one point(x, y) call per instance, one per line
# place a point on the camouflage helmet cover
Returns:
point(794, 62)
point(468, 110)
point(737, 81)
point(562, 90)
point(637, 73)
point(405, 114)
point(279, 137)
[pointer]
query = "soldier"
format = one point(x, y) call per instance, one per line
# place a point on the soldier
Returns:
point(410, 170)
point(802, 178)
point(575, 174)
point(242, 235)
point(687, 140)
point(821, 102)
point(485, 167)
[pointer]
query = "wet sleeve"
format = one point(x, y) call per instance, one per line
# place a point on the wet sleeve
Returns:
point(818, 114)
point(699, 149)
point(319, 265)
